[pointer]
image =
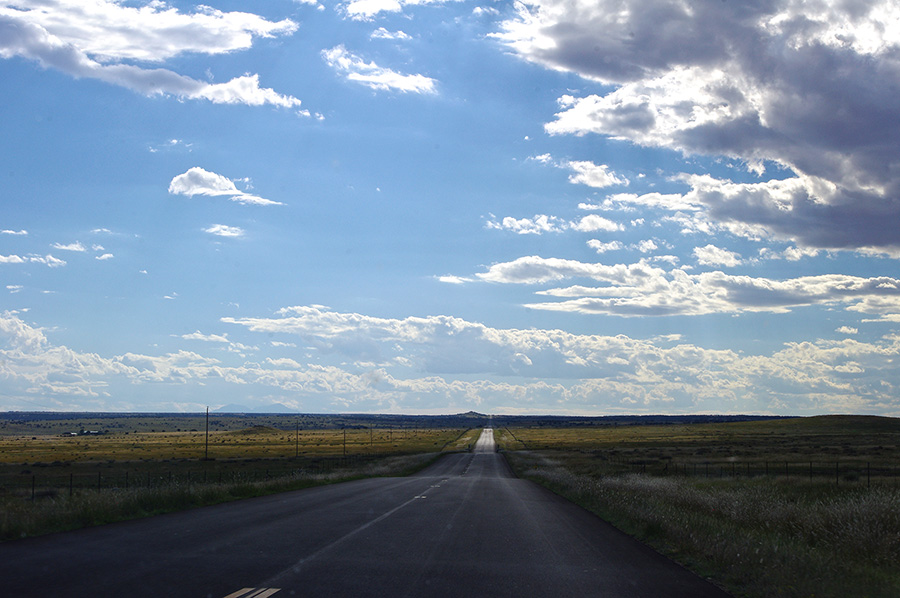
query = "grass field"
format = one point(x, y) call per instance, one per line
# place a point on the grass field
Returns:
point(782, 534)
point(139, 465)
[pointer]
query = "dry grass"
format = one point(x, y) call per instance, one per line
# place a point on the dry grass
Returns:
point(59, 511)
point(758, 536)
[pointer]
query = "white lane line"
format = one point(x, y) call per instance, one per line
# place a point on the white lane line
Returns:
point(253, 593)
point(295, 568)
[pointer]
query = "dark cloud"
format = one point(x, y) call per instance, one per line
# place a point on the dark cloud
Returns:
point(811, 88)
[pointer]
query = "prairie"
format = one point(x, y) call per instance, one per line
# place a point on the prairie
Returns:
point(69, 472)
point(719, 499)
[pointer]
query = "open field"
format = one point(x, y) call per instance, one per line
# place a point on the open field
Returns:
point(64, 471)
point(782, 534)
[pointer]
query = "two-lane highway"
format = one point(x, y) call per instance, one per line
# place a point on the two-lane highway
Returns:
point(464, 526)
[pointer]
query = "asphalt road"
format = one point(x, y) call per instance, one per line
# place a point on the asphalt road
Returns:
point(463, 527)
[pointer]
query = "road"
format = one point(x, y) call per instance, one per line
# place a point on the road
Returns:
point(463, 527)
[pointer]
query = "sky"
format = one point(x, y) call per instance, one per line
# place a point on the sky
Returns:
point(583, 207)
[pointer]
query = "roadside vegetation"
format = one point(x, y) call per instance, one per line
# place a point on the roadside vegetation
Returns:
point(756, 534)
point(53, 480)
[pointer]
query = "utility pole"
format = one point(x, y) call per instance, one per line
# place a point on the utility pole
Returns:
point(206, 458)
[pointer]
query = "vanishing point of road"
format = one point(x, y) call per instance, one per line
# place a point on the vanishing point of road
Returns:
point(464, 526)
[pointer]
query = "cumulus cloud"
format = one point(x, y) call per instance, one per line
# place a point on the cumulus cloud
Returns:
point(449, 364)
point(644, 289)
point(716, 256)
point(584, 172)
point(96, 39)
point(197, 181)
point(22, 232)
point(593, 175)
point(765, 83)
point(356, 69)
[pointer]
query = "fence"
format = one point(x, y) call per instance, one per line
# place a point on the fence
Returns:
point(840, 472)
point(34, 485)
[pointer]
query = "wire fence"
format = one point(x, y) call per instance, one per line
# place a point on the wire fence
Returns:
point(856, 472)
point(33, 485)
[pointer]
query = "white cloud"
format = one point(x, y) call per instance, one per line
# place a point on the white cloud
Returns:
point(14, 288)
point(715, 256)
point(47, 260)
point(584, 172)
point(542, 223)
point(104, 257)
point(356, 69)
point(14, 232)
point(450, 279)
point(95, 39)
point(382, 33)
point(603, 247)
point(593, 175)
point(592, 223)
point(222, 230)
point(451, 365)
point(643, 289)
point(766, 84)
point(197, 181)
point(847, 330)
point(76, 246)
point(365, 10)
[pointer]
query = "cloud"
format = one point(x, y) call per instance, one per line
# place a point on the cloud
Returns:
point(209, 338)
point(603, 247)
point(365, 10)
point(197, 181)
point(76, 246)
point(104, 257)
point(584, 172)
point(715, 256)
point(14, 232)
point(47, 260)
point(542, 223)
point(593, 175)
point(765, 83)
point(450, 279)
point(96, 39)
point(221, 230)
point(643, 289)
point(453, 364)
point(382, 33)
point(356, 69)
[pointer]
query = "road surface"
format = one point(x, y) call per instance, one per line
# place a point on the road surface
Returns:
point(463, 527)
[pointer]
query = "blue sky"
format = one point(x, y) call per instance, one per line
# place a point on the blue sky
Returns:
point(586, 207)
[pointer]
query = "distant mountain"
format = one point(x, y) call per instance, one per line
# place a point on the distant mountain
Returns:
point(274, 408)
point(233, 408)
point(271, 408)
